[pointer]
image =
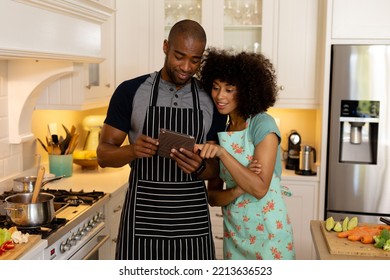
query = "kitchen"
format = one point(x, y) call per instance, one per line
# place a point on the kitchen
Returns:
point(303, 109)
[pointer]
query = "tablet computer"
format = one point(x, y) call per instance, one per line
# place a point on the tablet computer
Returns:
point(169, 140)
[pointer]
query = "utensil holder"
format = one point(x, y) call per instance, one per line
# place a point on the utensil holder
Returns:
point(61, 165)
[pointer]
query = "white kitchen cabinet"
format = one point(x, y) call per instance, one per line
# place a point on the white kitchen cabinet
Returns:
point(107, 3)
point(286, 31)
point(216, 218)
point(242, 31)
point(291, 29)
point(360, 19)
point(48, 45)
point(232, 24)
point(302, 208)
point(112, 220)
point(89, 85)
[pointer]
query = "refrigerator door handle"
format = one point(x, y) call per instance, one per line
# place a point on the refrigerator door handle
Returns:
point(385, 220)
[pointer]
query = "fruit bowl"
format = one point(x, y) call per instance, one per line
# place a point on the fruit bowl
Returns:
point(89, 164)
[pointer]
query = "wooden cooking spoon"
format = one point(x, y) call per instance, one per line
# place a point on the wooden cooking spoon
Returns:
point(38, 184)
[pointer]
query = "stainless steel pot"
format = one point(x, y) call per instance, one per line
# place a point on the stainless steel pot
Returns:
point(27, 183)
point(23, 213)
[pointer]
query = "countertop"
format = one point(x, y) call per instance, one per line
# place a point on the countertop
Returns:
point(107, 179)
point(291, 176)
point(322, 250)
point(110, 179)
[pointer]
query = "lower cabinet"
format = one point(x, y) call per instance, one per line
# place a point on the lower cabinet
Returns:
point(302, 208)
point(216, 218)
point(113, 215)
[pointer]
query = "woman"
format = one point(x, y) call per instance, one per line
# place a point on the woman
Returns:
point(256, 223)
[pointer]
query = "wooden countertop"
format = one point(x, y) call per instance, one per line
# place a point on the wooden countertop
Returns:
point(322, 250)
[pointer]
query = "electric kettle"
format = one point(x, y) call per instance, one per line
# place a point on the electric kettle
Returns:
point(307, 159)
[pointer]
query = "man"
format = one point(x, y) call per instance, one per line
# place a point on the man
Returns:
point(165, 214)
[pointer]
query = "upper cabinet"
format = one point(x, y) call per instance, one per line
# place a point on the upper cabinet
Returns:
point(286, 31)
point(67, 30)
point(232, 24)
point(360, 19)
point(59, 55)
point(291, 29)
point(90, 85)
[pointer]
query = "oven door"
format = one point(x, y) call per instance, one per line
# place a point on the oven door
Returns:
point(90, 248)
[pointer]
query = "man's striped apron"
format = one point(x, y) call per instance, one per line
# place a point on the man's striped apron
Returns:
point(165, 214)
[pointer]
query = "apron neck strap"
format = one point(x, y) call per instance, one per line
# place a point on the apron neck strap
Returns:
point(154, 95)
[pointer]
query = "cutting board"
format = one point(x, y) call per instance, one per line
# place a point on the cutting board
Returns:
point(343, 246)
point(20, 249)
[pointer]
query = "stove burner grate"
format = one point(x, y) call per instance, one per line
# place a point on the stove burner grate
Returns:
point(75, 198)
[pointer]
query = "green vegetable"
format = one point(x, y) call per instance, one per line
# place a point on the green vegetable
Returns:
point(385, 233)
point(329, 223)
point(379, 241)
point(352, 223)
point(383, 240)
point(338, 227)
point(386, 247)
point(345, 223)
point(4, 235)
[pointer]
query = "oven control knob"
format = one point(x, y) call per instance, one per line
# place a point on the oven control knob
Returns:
point(87, 228)
point(99, 217)
point(69, 241)
point(77, 237)
point(73, 239)
point(64, 247)
point(81, 232)
point(96, 218)
point(92, 223)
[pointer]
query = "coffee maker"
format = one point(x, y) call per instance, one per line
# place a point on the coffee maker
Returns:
point(294, 147)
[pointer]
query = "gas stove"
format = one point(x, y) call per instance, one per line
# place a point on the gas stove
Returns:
point(78, 223)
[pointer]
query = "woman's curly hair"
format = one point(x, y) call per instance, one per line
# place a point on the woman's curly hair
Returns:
point(252, 73)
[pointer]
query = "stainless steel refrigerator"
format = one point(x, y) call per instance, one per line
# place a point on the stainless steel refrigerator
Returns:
point(358, 159)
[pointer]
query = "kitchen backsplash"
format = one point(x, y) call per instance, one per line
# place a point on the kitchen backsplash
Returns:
point(41, 118)
point(303, 121)
point(15, 159)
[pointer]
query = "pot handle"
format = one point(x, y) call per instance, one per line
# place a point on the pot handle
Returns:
point(13, 209)
point(51, 180)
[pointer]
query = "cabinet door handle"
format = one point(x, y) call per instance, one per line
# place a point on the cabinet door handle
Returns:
point(119, 208)
point(218, 237)
point(219, 215)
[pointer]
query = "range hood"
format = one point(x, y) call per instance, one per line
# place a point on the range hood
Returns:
point(40, 43)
